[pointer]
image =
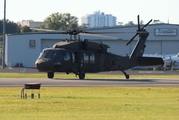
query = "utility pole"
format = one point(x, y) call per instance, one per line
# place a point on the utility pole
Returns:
point(4, 33)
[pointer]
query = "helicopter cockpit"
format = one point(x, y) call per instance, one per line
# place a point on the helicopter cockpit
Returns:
point(48, 57)
point(51, 53)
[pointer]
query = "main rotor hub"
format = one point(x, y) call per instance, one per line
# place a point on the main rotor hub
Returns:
point(74, 32)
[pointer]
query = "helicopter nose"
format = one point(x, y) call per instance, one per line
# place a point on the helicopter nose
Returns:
point(39, 66)
point(44, 66)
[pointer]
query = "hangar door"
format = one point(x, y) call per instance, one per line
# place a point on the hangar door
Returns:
point(170, 46)
point(117, 47)
point(153, 47)
point(46, 43)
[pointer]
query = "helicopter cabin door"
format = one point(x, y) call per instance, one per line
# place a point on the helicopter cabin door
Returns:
point(77, 62)
point(66, 62)
point(89, 62)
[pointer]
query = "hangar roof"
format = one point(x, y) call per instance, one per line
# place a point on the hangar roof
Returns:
point(129, 26)
point(157, 32)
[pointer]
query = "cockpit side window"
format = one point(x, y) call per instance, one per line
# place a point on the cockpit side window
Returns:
point(49, 54)
point(43, 53)
point(56, 54)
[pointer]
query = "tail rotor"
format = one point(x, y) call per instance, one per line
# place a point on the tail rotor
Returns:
point(139, 29)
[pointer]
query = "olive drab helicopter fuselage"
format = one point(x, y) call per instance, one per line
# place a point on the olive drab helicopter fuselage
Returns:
point(78, 60)
point(83, 56)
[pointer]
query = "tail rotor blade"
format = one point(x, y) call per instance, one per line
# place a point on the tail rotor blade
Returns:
point(138, 20)
point(146, 24)
point(132, 39)
point(139, 29)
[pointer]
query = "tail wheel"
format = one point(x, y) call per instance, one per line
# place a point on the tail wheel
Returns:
point(127, 76)
point(81, 75)
point(50, 75)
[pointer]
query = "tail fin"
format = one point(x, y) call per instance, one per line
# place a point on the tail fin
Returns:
point(140, 45)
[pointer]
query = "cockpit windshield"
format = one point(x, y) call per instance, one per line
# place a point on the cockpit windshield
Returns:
point(56, 54)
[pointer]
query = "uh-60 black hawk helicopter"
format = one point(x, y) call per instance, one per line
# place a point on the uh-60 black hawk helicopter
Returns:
point(80, 57)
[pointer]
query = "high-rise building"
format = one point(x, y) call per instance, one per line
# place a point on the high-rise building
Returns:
point(98, 19)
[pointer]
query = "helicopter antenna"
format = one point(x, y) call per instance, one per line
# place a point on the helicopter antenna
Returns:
point(139, 29)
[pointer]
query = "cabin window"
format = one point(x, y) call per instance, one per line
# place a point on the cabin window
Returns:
point(92, 58)
point(73, 57)
point(66, 56)
point(86, 58)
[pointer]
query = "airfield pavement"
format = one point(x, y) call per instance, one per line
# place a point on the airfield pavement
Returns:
point(131, 72)
point(15, 82)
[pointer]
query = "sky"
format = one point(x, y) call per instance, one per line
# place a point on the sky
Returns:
point(125, 10)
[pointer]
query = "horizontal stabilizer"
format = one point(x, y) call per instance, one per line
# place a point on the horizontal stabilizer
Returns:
point(150, 61)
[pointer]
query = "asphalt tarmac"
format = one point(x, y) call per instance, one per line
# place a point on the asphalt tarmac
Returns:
point(18, 82)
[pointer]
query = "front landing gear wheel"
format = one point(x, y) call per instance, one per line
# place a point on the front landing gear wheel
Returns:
point(50, 75)
point(81, 75)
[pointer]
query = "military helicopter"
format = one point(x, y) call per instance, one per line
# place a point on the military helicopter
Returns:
point(83, 56)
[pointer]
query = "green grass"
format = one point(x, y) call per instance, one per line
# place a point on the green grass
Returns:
point(91, 103)
point(88, 76)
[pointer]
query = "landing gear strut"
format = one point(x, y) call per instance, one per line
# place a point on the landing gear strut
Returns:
point(127, 75)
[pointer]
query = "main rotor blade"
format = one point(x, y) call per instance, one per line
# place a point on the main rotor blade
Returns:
point(101, 33)
point(47, 30)
point(106, 32)
point(43, 33)
point(98, 35)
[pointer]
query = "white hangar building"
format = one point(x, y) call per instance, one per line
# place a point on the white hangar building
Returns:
point(25, 48)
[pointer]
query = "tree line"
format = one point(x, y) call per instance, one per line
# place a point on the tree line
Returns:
point(55, 21)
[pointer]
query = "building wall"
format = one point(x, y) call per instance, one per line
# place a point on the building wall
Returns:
point(30, 23)
point(18, 49)
point(127, 32)
point(170, 47)
point(46, 43)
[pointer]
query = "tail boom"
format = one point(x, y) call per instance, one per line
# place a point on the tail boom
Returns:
point(149, 61)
